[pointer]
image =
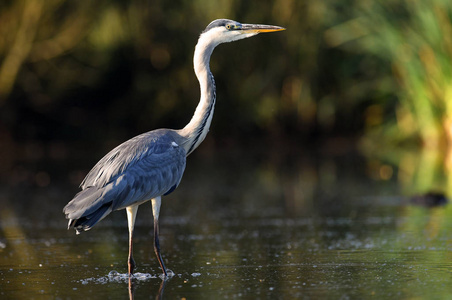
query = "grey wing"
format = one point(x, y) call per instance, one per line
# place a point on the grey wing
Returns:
point(142, 168)
point(152, 175)
point(153, 150)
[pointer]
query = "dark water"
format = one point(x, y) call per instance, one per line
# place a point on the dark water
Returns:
point(238, 227)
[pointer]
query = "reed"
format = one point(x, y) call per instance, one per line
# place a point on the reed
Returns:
point(415, 38)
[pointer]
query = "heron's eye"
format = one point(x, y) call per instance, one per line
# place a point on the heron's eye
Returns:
point(229, 27)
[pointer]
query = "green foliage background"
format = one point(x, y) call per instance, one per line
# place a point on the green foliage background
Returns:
point(371, 75)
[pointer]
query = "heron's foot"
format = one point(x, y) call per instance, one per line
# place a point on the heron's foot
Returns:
point(165, 273)
point(131, 264)
point(168, 275)
point(160, 259)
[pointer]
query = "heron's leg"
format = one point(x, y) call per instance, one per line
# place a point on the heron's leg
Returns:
point(131, 215)
point(156, 211)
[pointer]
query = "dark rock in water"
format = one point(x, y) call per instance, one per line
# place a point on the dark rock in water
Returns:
point(430, 199)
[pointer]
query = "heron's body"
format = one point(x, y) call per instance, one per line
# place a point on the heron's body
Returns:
point(151, 165)
point(122, 177)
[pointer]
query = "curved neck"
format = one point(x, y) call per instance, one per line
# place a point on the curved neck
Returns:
point(196, 130)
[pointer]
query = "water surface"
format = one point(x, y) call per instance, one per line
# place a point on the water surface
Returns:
point(238, 226)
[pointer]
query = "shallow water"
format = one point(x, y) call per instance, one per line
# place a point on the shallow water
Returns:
point(253, 226)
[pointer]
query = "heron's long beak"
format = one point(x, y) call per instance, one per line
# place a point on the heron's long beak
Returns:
point(257, 28)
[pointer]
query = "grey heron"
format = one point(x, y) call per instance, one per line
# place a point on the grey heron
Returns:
point(151, 165)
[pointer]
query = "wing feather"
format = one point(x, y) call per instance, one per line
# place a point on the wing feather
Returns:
point(144, 167)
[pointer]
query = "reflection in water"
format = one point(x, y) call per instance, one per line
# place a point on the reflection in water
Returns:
point(159, 293)
point(418, 171)
point(132, 287)
point(430, 199)
point(161, 289)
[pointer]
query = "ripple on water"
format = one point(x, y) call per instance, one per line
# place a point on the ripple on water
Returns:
point(115, 276)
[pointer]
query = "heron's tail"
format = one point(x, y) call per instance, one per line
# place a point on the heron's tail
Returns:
point(87, 208)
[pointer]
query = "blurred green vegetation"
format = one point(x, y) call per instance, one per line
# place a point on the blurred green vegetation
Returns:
point(371, 73)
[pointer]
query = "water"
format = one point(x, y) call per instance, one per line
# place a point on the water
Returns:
point(237, 227)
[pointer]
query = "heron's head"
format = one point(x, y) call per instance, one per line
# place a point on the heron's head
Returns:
point(223, 31)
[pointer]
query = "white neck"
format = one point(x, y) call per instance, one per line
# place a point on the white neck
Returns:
point(196, 130)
